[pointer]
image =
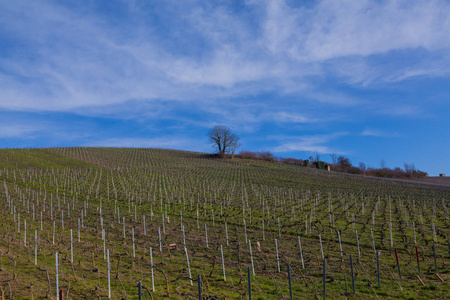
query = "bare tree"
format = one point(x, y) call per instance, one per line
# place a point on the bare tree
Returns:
point(409, 168)
point(362, 166)
point(223, 139)
point(317, 157)
point(334, 159)
point(234, 145)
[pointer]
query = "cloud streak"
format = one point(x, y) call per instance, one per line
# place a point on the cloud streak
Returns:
point(14, 130)
point(377, 133)
point(313, 144)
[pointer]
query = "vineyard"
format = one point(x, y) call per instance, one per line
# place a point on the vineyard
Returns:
point(110, 223)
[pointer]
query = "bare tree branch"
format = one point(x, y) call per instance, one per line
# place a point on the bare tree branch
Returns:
point(223, 139)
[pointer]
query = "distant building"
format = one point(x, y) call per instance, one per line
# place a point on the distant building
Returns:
point(442, 175)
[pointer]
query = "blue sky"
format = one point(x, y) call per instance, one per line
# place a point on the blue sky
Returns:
point(366, 79)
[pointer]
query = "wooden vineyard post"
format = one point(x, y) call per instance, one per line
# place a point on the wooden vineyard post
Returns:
point(418, 261)
point(353, 277)
point(199, 281)
point(139, 290)
point(123, 227)
point(198, 223)
point(145, 228)
point(134, 246)
point(57, 281)
point(160, 242)
point(249, 284)
point(264, 236)
point(434, 232)
point(435, 261)
point(223, 264)
point(373, 241)
point(398, 264)
point(206, 236)
point(71, 246)
point(104, 243)
point(340, 244)
point(35, 247)
point(151, 265)
point(25, 232)
point(324, 280)
point(251, 257)
point(245, 232)
point(109, 275)
point(226, 232)
point(278, 258)
point(189, 266)
point(321, 248)
point(289, 278)
point(378, 267)
point(301, 252)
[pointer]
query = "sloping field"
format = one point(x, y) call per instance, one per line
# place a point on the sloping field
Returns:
point(163, 218)
point(437, 180)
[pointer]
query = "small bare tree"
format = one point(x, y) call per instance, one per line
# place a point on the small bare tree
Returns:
point(223, 139)
point(334, 159)
point(234, 146)
point(362, 166)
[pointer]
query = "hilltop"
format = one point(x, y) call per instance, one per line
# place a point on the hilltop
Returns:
point(176, 214)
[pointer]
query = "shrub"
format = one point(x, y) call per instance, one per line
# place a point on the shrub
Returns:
point(247, 155)
point(321, 165)
point(293, 161)
point(266, 155)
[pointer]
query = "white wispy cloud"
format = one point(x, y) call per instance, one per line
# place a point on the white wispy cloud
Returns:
point(377, 133)
point(400, 110)
point(17, 130)
point(78, 59)
point(314, 143)
point(290, 117)
point(333, 29)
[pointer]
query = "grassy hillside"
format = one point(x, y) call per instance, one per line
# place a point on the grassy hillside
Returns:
point(110, 197)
